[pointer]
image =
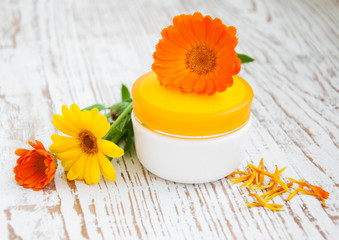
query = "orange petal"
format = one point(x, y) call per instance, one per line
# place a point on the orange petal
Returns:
point(165, 55)
point(33, 179)
point(199, 29)
point(227, 64)
point(34, 145)
point(209, 85)
point(214, 32)
point(189, 82)
point(200, 85)
point(183, 28)
point(232, 30)
point(21, 152)
point(177, 38)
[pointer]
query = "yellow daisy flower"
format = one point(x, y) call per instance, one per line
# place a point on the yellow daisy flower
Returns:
point(83, 153)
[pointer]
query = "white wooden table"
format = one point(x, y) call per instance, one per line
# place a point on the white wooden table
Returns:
point(63, 52)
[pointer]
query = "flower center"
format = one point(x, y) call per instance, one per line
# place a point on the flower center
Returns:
point(88, 142)
point(201, 60)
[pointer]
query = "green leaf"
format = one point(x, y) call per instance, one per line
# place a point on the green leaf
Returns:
point(244, 58)
point(120, 127)
point(126, 114)
point(117, 136)
point(125, 93)
point(129, 140)
point(98, 106)
point(118, 108)
point(129, 126)
point(108, 115)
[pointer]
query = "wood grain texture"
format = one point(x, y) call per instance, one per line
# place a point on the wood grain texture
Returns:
point(62, 52)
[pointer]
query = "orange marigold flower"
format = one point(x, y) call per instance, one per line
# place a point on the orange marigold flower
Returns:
point(35, 168)
point(197, 54)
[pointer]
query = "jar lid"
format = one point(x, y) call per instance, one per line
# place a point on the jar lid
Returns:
point(171, 111)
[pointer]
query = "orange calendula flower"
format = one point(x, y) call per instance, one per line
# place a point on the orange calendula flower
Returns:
point(197, 54)
point(35, 168)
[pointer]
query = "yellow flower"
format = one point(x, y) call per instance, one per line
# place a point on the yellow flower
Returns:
point(83, 153)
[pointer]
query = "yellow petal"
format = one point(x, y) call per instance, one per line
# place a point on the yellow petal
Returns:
point(100, 126)
point(77, 168)
point(92, 171)
point(94, 112)
point(71, 118)
point(70, 154)
point(86, 119)
point(64, 126)
point(62, 146)
point(110, 149)
point(95, 170)
point(106, 167)
point(67, 164)
point(81, 175)
point(76, 111)
point(56, 138)
point(87, 169)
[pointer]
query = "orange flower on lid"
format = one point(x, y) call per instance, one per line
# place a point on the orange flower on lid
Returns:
point(197, 54)
point(35, 168)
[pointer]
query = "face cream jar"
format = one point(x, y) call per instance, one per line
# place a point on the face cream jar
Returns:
point(187, 137)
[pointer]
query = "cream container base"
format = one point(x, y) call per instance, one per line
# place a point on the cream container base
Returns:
point(185, 160)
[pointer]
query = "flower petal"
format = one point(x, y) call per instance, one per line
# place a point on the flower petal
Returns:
point(110, 149)
point(94, 112)
point(167, 56)
point(214, 32)
point(199, 29)
point(37, 145)
point(95, 169)
point(76, 111)
point(71, 154)
point(33, 178)
point(77, 167)
point(63, 126)
point(92, 170)
point(71, 118)
point(209, 86)
point(86, 119)
point(60, 138)
point(189, 82)
point(67, 164)
point(106, 167)
point(62, 146)
point(183, 23)
point(21, 152)
point(169, 47)
point(200, 85)
point(100, 126)
point(25, 173)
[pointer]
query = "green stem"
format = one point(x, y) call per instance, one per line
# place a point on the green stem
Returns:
point(116, 138)
point(127, 110)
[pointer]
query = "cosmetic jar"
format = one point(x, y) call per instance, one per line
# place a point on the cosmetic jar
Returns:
point(187, 137)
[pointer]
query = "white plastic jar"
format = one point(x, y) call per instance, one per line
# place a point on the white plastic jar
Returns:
point(190, 138)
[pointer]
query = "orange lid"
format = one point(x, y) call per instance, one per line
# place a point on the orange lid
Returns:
point(171, 111)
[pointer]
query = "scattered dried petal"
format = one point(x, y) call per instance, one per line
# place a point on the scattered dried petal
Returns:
point(273, 176)
point(254, 179)
point(262, 203)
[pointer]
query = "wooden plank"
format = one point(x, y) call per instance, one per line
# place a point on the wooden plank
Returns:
point(62, 52)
